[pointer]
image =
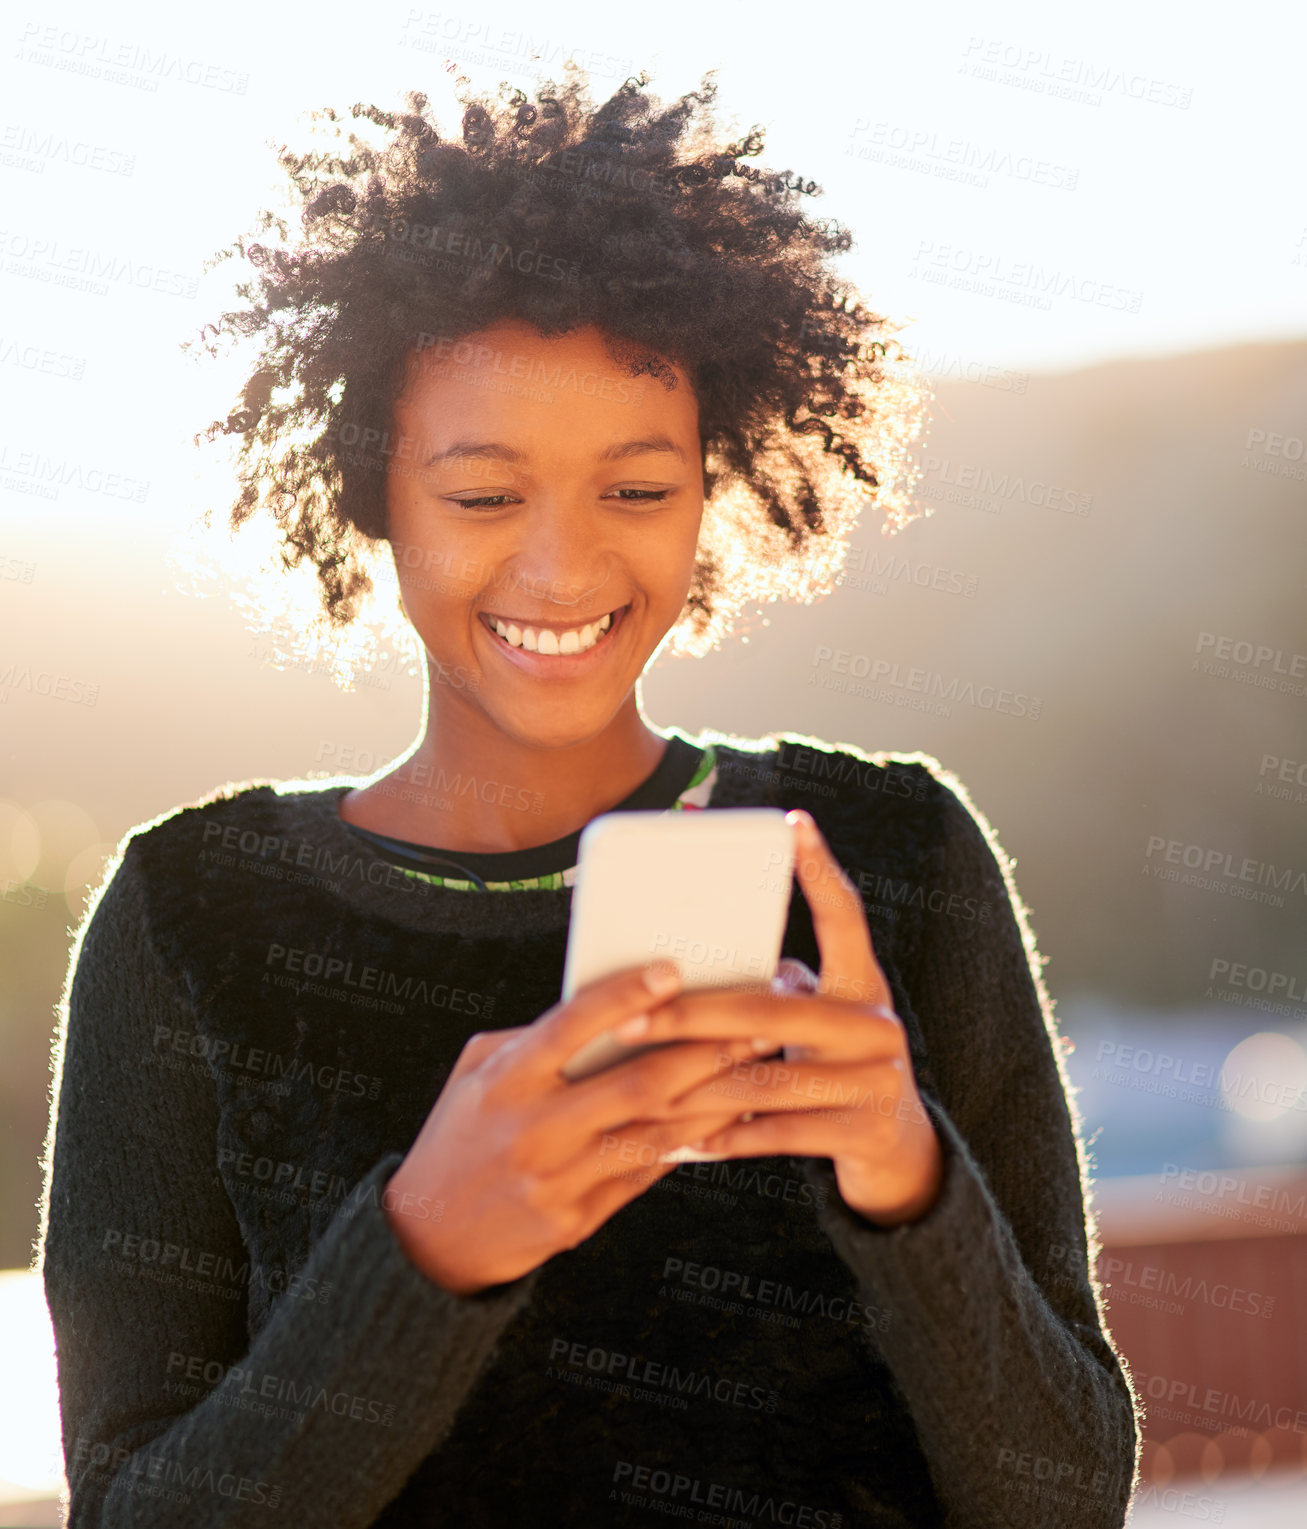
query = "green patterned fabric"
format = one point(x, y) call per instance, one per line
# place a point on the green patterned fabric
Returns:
point(693, 799)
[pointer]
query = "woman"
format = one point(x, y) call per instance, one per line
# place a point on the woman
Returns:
point(329, 1238)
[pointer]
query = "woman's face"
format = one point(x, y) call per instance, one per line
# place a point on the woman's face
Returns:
point(536, 483)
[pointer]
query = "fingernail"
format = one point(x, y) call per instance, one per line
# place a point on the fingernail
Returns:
point(629, 1029)
point(662, 978)
point(759, 1044)
point(691, 1153)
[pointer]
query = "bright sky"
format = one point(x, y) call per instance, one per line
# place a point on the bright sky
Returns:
point(1038, 190)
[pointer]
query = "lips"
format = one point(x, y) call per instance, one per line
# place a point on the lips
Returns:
point(545, 664)
point(490, 617)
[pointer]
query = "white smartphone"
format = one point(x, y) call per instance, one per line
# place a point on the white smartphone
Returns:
point(708, 890)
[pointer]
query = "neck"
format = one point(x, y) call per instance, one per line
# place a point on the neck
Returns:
point(469, 785)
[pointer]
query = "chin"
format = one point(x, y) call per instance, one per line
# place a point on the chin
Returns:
point(557, 727)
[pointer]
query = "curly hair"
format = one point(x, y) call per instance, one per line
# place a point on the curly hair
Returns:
point(637, 219)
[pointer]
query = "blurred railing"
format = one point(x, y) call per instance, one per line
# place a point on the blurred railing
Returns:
point(1206, 1279)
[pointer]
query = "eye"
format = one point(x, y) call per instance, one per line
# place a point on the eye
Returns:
point(625, 495)
point(485, 502)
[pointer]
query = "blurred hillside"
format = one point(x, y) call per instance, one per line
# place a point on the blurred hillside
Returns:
point(1088, 530)
point(1188, 530)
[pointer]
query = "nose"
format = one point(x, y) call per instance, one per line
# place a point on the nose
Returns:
point(561, 559)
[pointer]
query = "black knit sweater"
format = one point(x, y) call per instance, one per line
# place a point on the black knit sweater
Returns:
point(260, 1014)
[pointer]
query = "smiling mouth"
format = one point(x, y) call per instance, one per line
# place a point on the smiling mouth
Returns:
point(553, 641)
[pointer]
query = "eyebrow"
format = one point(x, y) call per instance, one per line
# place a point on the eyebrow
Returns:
point(641, 448)
point(502, 453)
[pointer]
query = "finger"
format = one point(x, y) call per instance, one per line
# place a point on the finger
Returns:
point(644, 1089)
point(481, 1045)
point(832, 1030)
point(839, 1088)
point(560, 1032)
point(789, 1135)
point(619, 1165)
point(793, 975)
point(686, 1130)
point(849, 968)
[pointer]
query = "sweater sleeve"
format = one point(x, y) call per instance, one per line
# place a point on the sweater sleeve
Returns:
point(995, 1337)
point(170, 1414)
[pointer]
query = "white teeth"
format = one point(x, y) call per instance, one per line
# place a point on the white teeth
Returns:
point(575, 640)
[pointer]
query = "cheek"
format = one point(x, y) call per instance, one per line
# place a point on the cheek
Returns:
point(433, 571)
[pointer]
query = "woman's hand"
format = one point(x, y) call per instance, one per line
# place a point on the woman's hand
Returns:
point(515, 1162)
point(844, 1088)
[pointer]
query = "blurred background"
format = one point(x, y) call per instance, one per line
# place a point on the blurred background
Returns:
point(1096, 231)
